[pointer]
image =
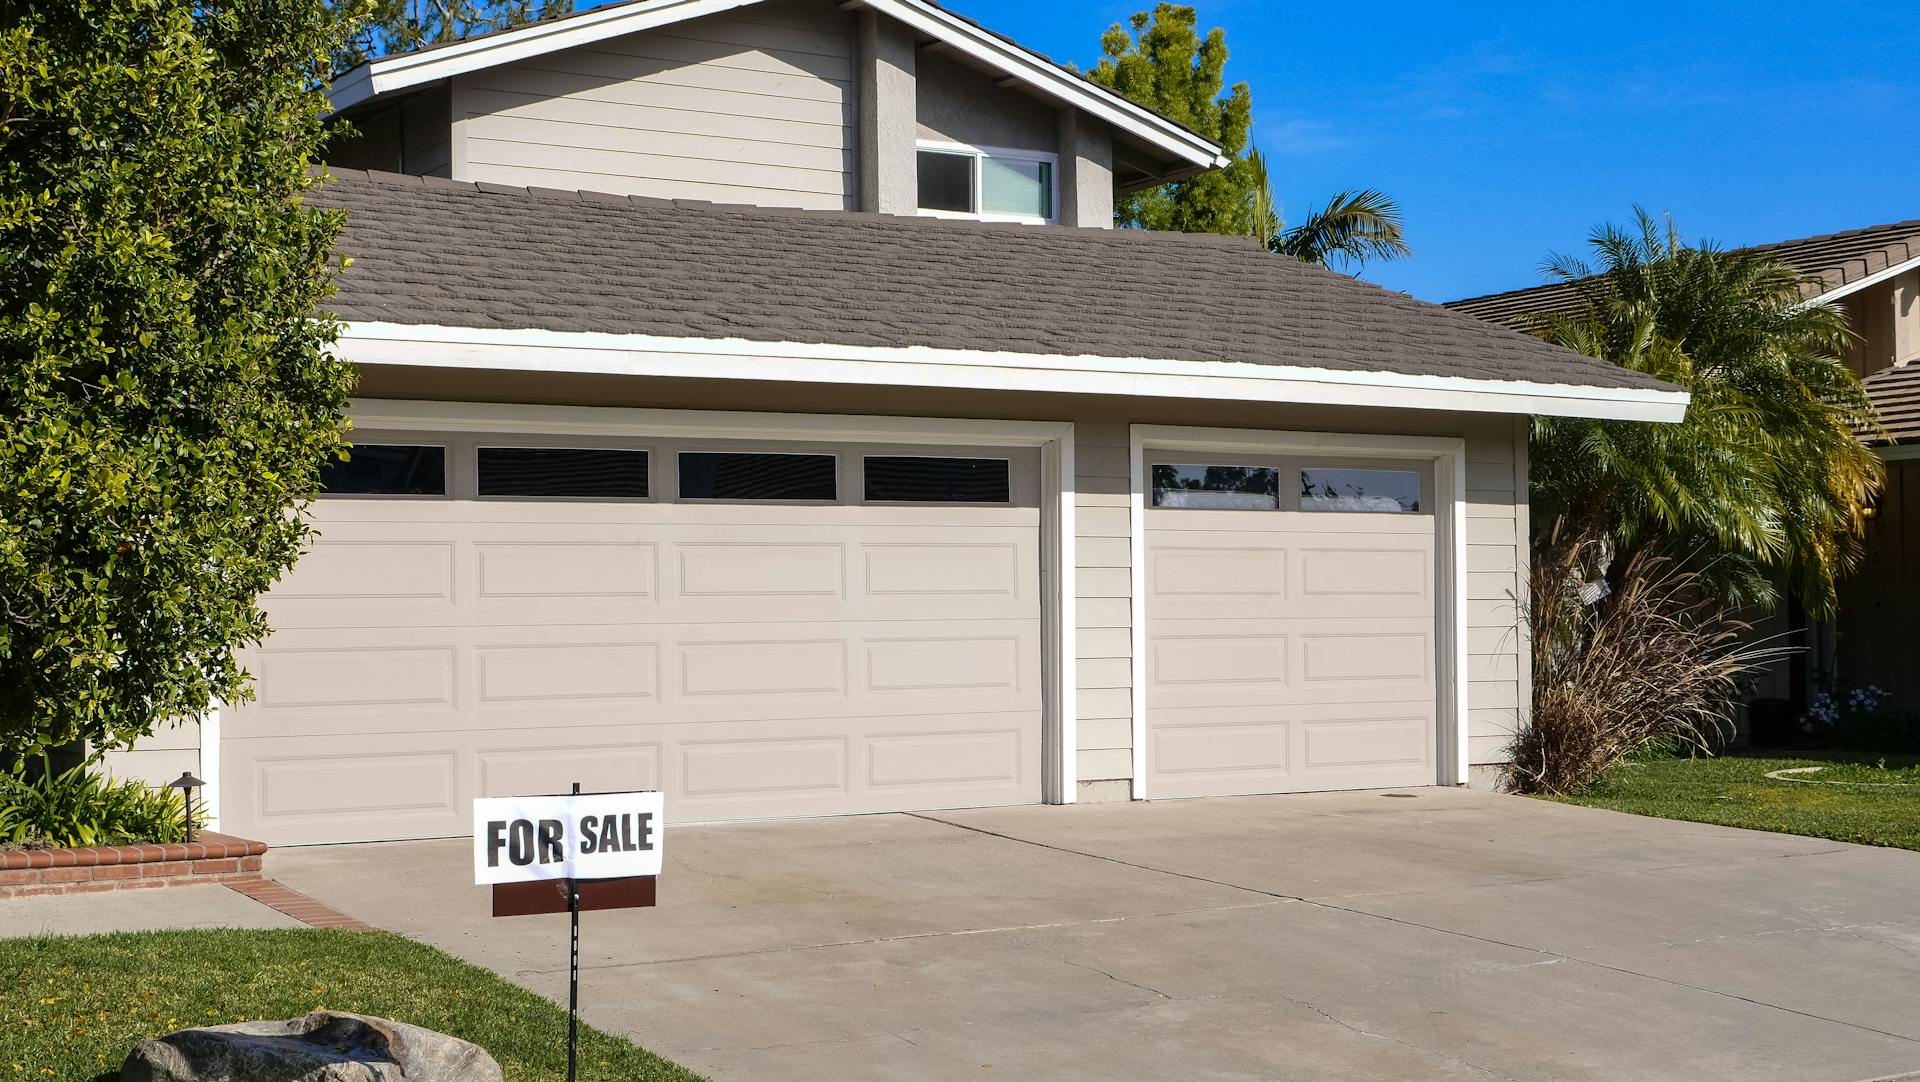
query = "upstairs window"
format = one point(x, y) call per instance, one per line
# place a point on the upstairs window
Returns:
point(986, 183)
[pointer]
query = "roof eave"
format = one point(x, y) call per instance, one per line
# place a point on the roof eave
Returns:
point(584, 352)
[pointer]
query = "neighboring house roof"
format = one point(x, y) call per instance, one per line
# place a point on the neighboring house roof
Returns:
point(1833, 264)
point(1895, 394)
point(606, 270)
point(390, 74)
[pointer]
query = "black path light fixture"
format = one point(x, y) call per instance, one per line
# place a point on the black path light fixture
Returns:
point(187, 783)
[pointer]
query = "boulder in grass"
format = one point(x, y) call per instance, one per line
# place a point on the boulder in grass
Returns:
point(325, 1046)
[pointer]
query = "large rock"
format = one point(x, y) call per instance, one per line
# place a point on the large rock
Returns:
point(325, 1046)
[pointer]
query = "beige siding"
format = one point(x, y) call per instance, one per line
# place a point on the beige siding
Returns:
point(1104, 586)
point(1496, 553)
point(161, 757)
point(755, 106)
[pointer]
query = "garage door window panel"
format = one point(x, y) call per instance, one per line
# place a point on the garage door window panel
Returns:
point(758, 476)
point(926, 479)
point(387, 469)
point(593, 473)
point(1334, 488)
point(1216, 487)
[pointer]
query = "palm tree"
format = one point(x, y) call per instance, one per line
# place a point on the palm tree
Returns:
point(1353, 227)
point(1766, 475)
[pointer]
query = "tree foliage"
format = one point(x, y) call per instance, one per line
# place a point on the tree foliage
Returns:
point(166, 396)
point(398, 26)
point(1766, 473)
point(1165, 64)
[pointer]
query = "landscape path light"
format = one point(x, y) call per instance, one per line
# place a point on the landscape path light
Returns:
point(187, 783)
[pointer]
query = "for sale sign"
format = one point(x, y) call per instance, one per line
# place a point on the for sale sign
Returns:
point(519, 839)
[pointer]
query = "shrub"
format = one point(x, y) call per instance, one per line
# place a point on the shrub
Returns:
point(78, 807)
point(1639, 659)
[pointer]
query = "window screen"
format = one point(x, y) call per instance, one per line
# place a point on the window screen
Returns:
point(596, 472)
point(734, 475)
point(1231, 488)
point(1016, 187)
point(946, 181)
point(937, 480)
point(1395, 491)
point(387, 469)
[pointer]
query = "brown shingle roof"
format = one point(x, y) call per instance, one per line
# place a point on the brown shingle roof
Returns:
point(1828, 262)
point(1895, 394)
point(429, 251)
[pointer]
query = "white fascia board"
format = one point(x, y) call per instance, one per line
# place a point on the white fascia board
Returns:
point(388, 74)
point(1043, 75)
point(1873, 279)
point(587, 352)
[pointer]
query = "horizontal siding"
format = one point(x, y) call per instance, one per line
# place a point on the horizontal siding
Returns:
point(159, 758)
point(1496, 641)
point(1104, 586)
point(751, 107)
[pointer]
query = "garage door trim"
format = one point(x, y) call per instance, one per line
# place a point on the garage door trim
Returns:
point(1055, 440)
point(1448, 457)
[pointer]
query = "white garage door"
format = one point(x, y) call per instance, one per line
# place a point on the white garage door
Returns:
point(1290, 626)
point(755, 630)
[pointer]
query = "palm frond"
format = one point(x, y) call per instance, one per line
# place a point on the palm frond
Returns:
point(1353, 227)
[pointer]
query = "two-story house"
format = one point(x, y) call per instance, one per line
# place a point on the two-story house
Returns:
point(756, 404)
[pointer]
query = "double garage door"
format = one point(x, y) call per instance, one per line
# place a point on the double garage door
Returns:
point(755, 630)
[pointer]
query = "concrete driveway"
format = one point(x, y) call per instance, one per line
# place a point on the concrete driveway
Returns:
point(1439, 934)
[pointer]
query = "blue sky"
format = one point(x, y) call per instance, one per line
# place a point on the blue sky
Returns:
point(1508, 131)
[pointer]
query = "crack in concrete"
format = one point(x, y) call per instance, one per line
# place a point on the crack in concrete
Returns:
point(1344, 1024)
point(1111, 977)
point(1431, 928)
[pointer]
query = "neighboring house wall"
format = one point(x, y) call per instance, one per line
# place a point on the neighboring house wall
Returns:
point(754, 106)
point(1886, 319)
point(1874, 631)
point(1496, 529)
point(413, 135)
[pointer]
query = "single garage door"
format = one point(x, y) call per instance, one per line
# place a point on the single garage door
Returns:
point(756, 630)
point(1290, 626)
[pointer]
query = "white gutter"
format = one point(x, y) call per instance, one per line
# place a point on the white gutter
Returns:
point(587, 352)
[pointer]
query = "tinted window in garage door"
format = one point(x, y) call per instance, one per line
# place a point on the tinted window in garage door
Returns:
point(387, 469)
point(919, 479)
point(578, 472)
point(748, 475)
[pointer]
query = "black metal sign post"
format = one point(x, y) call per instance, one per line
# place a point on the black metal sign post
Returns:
point(573, 974)
point(514, 899)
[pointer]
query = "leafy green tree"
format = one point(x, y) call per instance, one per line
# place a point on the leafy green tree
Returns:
point(167, 396)
point(1353, 227)
point(1766, 476)
point(398, 26)
point(1165, 64)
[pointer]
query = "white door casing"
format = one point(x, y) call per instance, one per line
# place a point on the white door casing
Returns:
point(1445, 458)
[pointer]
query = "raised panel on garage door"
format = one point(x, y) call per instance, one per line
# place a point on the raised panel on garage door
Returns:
point(1287, 650)
point(748, 659)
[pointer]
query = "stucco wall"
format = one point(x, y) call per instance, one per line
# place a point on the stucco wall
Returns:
point(957, 104)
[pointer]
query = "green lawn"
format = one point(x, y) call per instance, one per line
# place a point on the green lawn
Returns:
point(73, 1007)
point(1734, 791)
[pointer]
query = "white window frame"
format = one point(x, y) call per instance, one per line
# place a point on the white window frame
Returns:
point(980, 153)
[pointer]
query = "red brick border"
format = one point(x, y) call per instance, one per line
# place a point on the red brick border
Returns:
point(297, 905)
point(211, 858)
